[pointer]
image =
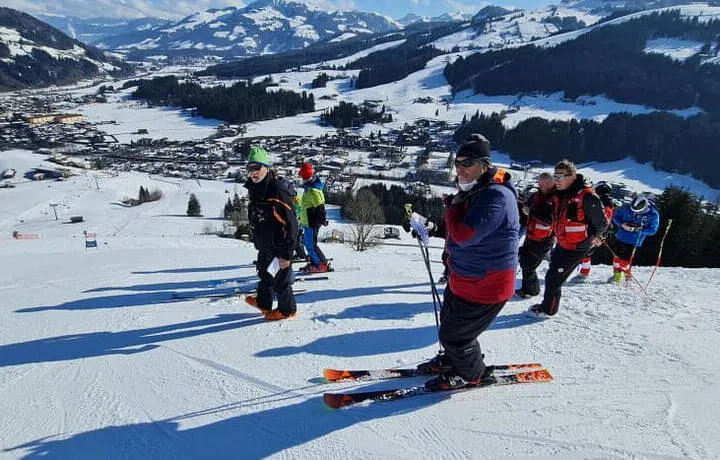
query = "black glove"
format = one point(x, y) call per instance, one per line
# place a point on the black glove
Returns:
point(406, 227)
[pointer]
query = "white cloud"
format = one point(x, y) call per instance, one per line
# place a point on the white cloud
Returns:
point(119, 8)
point(461, 7)
point(345, 5)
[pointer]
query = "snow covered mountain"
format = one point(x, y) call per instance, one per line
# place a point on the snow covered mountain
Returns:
point(34, 53)
point(263, 27)
point(412, 18)
point(95, 29)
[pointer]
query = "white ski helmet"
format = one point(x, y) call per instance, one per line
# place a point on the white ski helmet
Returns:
point(639, 204)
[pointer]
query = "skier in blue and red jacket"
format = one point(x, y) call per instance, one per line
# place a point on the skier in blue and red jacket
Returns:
point(634, 222)
point(482, 229)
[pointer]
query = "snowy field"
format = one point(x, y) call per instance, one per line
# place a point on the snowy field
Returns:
point(99, 359)
point(132, 115)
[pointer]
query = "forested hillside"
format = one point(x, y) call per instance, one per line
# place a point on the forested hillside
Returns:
point(238, 103)
point(670, 142)
point(608, 60)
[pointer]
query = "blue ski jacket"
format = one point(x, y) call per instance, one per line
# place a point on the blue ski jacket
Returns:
point(647, 224)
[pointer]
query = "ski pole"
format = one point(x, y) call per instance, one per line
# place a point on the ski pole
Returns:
point(614, 254)
point(424, 250)
point(433, 286)
point(659, 258)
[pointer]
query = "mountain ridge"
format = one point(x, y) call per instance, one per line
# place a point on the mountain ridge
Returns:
point(33, 53)
point(263, 27)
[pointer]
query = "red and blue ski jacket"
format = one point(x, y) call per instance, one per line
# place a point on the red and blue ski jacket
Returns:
point(482, 234)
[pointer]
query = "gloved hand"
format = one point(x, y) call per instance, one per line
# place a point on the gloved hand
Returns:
point(630, 228)
point(429, 226)
point(406, 226)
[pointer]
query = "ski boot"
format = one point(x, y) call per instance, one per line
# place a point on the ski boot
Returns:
point(536, 311)
point(440, 363)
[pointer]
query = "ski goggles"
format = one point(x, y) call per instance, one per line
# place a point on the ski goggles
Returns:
point(467, 162)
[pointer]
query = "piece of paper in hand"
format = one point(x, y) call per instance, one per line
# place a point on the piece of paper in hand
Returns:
point(417, 222)
point(274, 267)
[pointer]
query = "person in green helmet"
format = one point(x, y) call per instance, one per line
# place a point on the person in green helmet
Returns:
point(272, 215)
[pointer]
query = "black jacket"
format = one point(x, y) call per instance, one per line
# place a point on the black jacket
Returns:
point(272, 215)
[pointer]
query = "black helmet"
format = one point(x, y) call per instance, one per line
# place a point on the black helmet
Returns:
point(603, 188)
point(639, 204)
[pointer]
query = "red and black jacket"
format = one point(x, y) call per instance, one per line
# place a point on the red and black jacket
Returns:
point(539, 223)
point(578, 216)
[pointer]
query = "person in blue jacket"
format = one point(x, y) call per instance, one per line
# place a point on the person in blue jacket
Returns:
point(481, 230)
point(634, 222)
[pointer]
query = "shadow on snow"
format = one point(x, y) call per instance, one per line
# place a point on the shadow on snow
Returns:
point(330, 294)
point(124, 300)
point(87, 345)
point(380, 311)
point(362, 343)
point(176, 285)
point(194, 269)
point(252, 435)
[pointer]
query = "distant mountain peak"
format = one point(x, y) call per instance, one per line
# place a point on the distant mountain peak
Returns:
point(412, 18)
point(310, 5)
point(262, 27)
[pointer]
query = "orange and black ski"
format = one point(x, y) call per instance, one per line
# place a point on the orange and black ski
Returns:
point(338, 400)
point(340, 375)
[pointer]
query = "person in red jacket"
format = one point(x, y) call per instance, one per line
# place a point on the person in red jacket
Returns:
point(538, 237)
point(482, 228)
point(603, 190)
point(578, 222)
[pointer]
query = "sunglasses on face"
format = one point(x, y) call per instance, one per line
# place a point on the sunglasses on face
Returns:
point(465, 163)
point(254, 167)
point(560, 176)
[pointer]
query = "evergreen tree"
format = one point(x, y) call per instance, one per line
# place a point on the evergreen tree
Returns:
point(228, 209)
point(143, 195)
point(193, 208)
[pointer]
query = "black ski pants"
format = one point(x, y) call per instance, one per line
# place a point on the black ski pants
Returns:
point(299, 247)
point(461, 323)
point(563, 263)
point(269, 286)
point(531, 255)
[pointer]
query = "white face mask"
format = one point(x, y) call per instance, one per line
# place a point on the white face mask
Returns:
point(466, 187)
